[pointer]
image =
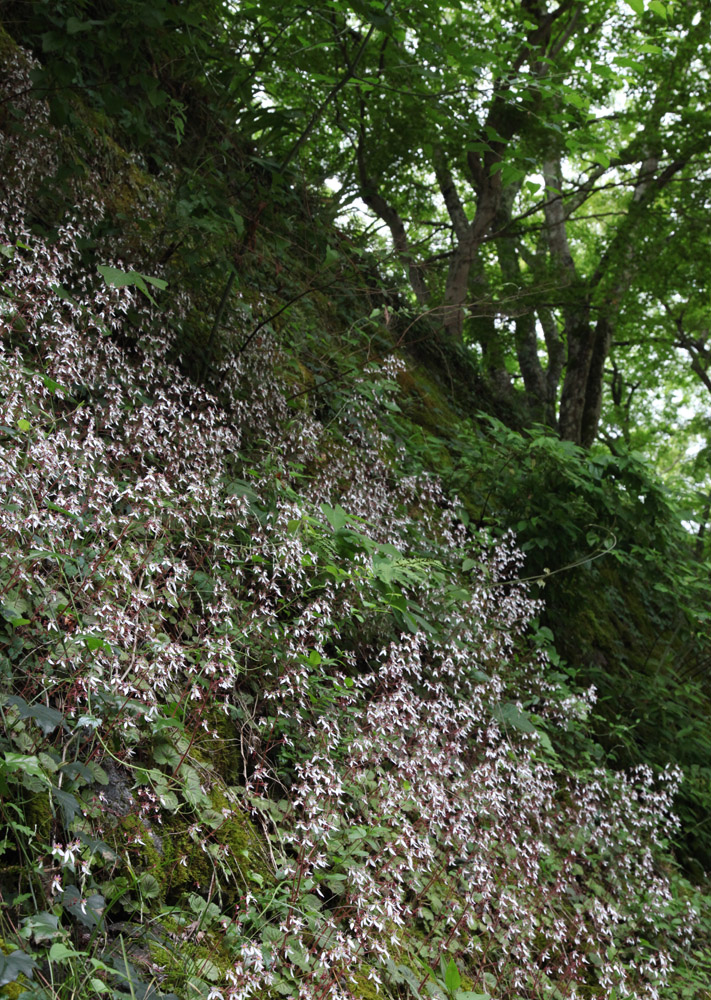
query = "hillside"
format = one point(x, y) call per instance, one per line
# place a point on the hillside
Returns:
point(327, 669)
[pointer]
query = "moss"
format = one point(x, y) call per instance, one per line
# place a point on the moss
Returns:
point(424, 402)
point(364, 988)
point(224, 752)
point(230, 858)
point(7, 43)
point(190, 963)
point(39, 816)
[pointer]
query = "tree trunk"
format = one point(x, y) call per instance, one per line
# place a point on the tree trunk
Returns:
point(580, 336)
point(596, 377)
point(457, 289)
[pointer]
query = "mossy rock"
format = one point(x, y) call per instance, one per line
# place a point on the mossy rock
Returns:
point(8, 44)
point(230, 859)
point(189, 966)
point(39, 815)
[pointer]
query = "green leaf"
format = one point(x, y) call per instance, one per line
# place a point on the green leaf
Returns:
point(17, 963)
point(59, 952)
point(658, 7)
point(637, 6)
point(510, 715)
point(23, 424)
point(94, 642)
point(26, 764)
point(121, 279)
point(74, 26)
point(452, 979)
point(42, 926)
point(60, 510)
point(156, 282)
point(149, 886)
point(68, 803)
point(48, 719)
point(332, 256)
point(575, 99)
point(336, 516)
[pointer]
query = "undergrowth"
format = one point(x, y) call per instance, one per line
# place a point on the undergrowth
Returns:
point(278, 719)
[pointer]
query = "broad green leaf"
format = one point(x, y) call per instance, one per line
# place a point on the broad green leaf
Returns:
point(637, 6)
point(659, 8)
point(41, 926)
point(121, 279)
point(26, 764)
point(452, 978)
point(69, 804)
point(60, 951)
point(149, 886)
point(336, 516)
point(17, 963)
point(510, 715)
